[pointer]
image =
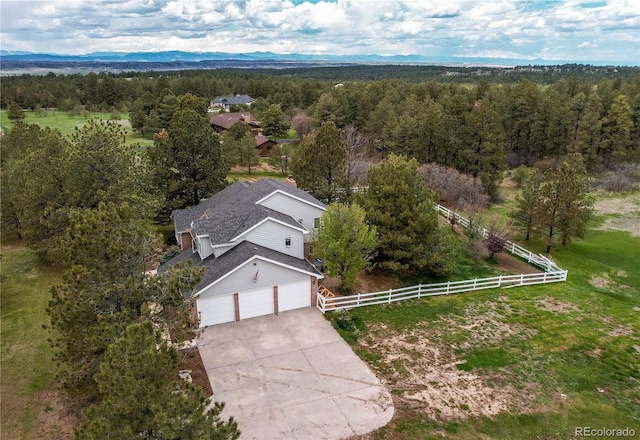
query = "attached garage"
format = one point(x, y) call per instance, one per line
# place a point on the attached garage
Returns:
point(294, 295)
point(249, 281)
point(258, 302)
point(216, 310)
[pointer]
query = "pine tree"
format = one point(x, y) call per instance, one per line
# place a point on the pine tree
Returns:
point(402, 211)
point(142, 397)
point(319, 163)
point(105, 289)
point(273, 122)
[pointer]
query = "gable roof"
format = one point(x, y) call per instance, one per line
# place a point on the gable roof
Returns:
point(262, 139)
point(236, 209)
point(226, 120)
point(217, 268)
point(233, 100)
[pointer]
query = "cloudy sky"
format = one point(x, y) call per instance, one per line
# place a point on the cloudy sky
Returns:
point(588, 31)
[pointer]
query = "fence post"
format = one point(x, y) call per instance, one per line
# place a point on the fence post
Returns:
point(419, 289)
point(544, 277)
point(358, 298)
point(521, 279)
point(500, 281)
point(390, 290)
point(475, 283)
point(448, 285)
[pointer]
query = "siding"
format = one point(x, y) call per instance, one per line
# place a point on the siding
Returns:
point(295, 208)
point(269, 275)
point(272, 235)
point(204, 247)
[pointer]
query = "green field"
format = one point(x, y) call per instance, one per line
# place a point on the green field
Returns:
point(555, 356)
point(27, 370)
point(67, 124)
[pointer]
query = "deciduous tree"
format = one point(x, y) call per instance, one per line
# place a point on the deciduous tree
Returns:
point(345, 242)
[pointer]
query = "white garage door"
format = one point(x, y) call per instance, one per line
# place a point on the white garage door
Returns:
point(257, 302)
point(216, 310)
point(294, 295)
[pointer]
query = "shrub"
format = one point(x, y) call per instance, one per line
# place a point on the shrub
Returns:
point(456, 190)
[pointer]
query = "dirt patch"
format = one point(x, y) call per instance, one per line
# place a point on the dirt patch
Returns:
point(618, 205)
point(57, 416)
point(513, 265)
point(367, 282)
point(553, 305)
point(627, 212)
point(420, 365)
point(626, 330)
point(189, 360)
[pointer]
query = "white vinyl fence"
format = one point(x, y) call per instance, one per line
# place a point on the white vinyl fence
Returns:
point(552, 273)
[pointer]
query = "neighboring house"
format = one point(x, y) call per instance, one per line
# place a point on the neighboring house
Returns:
point(253, 241)
point(223, 121)
point(226, 102)
point(264, 144)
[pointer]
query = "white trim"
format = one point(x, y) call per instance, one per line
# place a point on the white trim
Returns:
point(303, 230)
point(289, 195)
point(268, 260)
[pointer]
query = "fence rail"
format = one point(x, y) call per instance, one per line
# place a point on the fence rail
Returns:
point(552, 274)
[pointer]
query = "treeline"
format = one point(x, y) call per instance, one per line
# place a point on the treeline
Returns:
point(457, 125)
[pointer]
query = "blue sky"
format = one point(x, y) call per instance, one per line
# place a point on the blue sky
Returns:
point(585, 31)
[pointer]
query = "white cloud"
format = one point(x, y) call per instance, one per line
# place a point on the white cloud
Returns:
point(525, 29)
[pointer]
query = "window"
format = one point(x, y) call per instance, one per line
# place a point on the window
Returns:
point(316, 222)
point(287, 242)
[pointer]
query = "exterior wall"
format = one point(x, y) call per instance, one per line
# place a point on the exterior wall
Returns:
point(295, 208)
point(204, 247)
point(269, 275)
point(265, 148)
point(272, 235)
point(314, 291)
point(184, 240)
point(221, 250)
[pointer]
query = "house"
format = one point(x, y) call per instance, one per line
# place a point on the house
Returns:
point(223, 121)
point(264, 144)
point(253, 241)
point(226, 101)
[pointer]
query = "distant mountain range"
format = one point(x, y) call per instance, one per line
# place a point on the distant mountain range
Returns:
point(197, 57)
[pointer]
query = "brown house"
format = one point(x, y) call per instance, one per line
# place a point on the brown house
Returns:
point(264, 144)
point(223, 121)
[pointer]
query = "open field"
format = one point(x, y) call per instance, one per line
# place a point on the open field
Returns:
point(31, 406)
point(67, 124)
point(528, 362)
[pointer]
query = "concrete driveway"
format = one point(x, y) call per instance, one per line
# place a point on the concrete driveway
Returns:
point(292, 376)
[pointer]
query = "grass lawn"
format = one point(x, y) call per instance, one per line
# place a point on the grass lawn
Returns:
point(29, 399)
point(521, 363)
point(67, 124)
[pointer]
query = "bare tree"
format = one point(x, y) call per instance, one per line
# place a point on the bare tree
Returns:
point(497, 237)
point(456, 190)
point(301, 123)
point(357, 165)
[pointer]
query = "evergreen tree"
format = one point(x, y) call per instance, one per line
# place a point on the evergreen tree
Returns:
point(273, 123)
point(105, 289)
point(528, 204)
point(15, 112)
point(280, 157)
point(319, 163)
point(345, 242)
point(142, 397)
point(616, 127)
point(186, 161)
point(564, 202)
point(483, 154)
point(401, 209)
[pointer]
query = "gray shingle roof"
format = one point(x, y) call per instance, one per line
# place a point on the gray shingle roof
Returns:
point(233, 210)
point(215, 268)
point(234, 100)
